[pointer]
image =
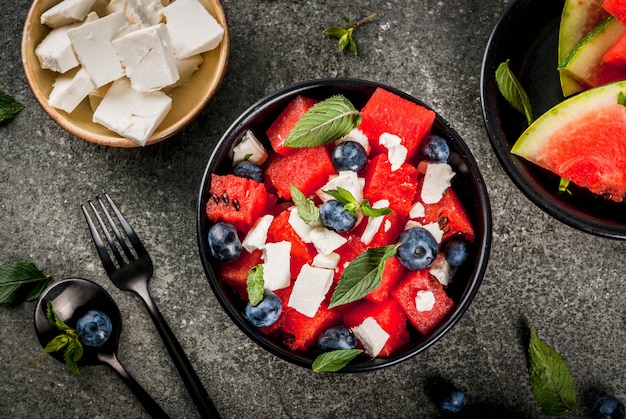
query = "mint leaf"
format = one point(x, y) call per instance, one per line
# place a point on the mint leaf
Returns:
point(21, 281)
point(345, 198)
point(368, 210)
point(9, 107)
point(255, 285)
point(550, 379)
point(362, 276)
point(324, 122)
point(67, 341)
point(564, 186)
point(334, 360)
point(346, 35)
point(306, 208)
point(512, 90)
point(57, 343)
point(73, 352)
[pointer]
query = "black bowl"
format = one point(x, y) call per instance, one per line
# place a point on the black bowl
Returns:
point(468, 182)
point(527, 35)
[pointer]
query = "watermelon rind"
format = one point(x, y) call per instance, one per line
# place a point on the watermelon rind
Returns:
point(530, 144)
point(578, 18)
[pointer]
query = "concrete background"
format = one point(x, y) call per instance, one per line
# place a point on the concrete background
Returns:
point(568, 284)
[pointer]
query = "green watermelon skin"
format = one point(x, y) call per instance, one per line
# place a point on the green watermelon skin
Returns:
point(307, 168)
point(237, 200)
point(406, 291)
point(282, 126)
point(386, 112)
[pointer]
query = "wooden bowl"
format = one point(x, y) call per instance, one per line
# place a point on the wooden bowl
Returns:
point(187, 100)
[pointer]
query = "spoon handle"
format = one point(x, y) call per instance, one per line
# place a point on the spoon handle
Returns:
point(185, 369)
point(151, 406)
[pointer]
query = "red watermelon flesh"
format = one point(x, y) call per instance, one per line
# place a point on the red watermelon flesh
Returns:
point(386, 112)
point(451, 216)
point(282, 126)
point(388, 315)
point(392, 272)
point(301, 253)
point(617, 8)
point(616, 55)
point(307, 168)
point(235, 273)
point(398, 187)
point(406, 291)
point(237, 200)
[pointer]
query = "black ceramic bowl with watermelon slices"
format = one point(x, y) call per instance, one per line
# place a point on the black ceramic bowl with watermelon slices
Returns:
point(467, 183)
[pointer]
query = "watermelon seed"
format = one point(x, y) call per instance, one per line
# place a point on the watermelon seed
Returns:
point(236, 204)
point(215, 198)
point(225, 198)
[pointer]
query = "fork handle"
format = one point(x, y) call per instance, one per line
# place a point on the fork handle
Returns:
point(188, 374)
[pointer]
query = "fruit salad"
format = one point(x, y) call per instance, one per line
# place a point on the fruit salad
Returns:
point(339, 227)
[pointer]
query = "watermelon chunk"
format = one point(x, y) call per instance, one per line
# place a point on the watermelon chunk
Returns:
point(392, 272)
point(406, 292)
point(307, 168)
point(235, 273)
point(616, 55)
point(386, 112)
point(380, 180)
point(451, 216)
point(301, 253)
point(616, 8)
point(390, 318)
point(282, 126)
point(237, 200)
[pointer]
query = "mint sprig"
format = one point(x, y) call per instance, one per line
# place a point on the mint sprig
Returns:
point(512, 90)
point(255, 285)
point(305, 206)
point(362, 276)
point(21, 281)
point(350, 203)
point(550, 379)
point(67, 341)
point(9, 107)
point(346, 35)
point(334, 360)
point(324, 122)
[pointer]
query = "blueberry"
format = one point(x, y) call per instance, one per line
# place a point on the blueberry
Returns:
point(608, 407)
point(335, 217)
point(94, 328)
point(418, 248)
point(224, 242)
point(434, 148)
point(248, 170)
point(453, 402)
point(349, 155)
point(338, 337)
point(456, 252)
point(266, 312)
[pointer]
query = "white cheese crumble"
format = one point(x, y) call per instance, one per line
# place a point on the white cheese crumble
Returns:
point(396, 152)
point(357, 136)
point(371, 335)
point(309, 289)
point(326, 241)
point(374, 223)
point(257, 235)
point(436, 181)
point(346, 179)
point(66, 12)
point(302, 229)
point(441, 269)
point(424, 300)
point(277, 265)
point(433, 228)
point(417, 210)
point(69, 89)
point(251, 149)
point(329, 261)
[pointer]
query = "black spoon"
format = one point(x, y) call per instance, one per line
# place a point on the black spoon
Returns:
point(71, 299)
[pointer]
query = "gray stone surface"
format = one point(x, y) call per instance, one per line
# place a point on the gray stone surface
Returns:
point(567, 284)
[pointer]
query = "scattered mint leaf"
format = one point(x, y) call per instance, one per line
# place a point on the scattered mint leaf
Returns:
point(247, 156)
point(550, 379)
point(346, 35)
point(369, 211)
point(21, 281)
point(512, 90)
point(335, 360)
point(67, 341)
point(255, 285)
point(362, 275)
point(9, 107)
point(621, 99)
point(306, 208)
point(564, 186)
point(324, 122)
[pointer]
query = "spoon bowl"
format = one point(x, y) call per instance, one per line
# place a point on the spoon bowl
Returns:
point(71, 299)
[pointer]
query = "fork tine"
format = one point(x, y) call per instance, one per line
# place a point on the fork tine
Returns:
point(116, 231)
point(107, 262)
point(105, 230)
point(130, 233)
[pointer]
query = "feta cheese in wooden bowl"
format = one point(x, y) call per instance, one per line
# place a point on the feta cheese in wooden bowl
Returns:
point(124, 73)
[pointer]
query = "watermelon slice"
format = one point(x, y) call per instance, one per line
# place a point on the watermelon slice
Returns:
point(616, 8)
point(386, 112)
point(582, 139)
point(616, 55)
point(282, 126)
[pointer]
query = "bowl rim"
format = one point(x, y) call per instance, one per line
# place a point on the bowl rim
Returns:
point(483, 240)
point(112, 139)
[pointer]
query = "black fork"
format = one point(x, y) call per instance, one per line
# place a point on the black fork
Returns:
point(130, 270)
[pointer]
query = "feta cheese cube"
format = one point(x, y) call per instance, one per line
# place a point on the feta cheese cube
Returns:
point(148, 58)
point(441, 269)
point(372, 336)
point(277, 265)
point(256, 237)
point(92, 43)
point(66, 12)
point(424, 300)
point(186, 67)
point(326, 241)
point(143, 13)
point(329, 261)
point(374, 223)
point(417, 211)
point(131, 114)
point(396, 152)
point(69, 89)
point(192, 28)
point(302, 229)
point(436, 181)
point(309, 289)
point(249, 148)
point(346, 179)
